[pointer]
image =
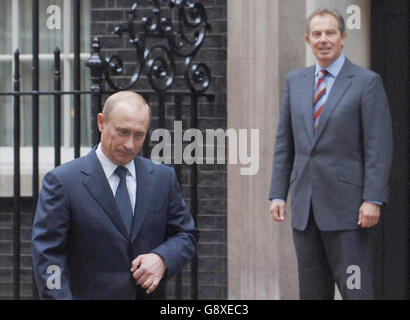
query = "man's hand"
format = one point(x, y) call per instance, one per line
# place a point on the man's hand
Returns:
point(278, 210)
point(369, 214)
point(148, 270)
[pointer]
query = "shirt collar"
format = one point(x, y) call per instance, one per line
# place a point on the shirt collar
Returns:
point(334, 68)
point(109, 166)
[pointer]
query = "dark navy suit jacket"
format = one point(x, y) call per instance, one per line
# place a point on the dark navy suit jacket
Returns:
point(78, 229)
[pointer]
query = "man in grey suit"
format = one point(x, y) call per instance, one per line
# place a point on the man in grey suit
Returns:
point(334, 152)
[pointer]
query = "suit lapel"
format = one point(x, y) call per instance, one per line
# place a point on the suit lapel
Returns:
point(339, 88)
point(306, 99)
point(99, 188)
point(145, 190)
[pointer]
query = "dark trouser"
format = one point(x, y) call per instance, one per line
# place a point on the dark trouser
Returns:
point(329, 257)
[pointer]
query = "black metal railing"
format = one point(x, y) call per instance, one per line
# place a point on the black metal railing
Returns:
point(156, 62)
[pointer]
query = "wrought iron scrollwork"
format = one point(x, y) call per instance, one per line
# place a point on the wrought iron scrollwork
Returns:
point(197, 76)
point(182, 39)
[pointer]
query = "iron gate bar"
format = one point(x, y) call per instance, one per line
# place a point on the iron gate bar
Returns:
point(35, 114)
point(77, 79)
point(96, 65)
point(57, 109)
point(210, 97)
point(16, 180)
point(45, 93)
point(161, 111)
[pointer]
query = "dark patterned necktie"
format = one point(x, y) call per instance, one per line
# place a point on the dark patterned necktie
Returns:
point(122, 198)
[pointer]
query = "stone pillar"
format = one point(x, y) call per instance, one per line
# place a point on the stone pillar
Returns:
point(265, 41)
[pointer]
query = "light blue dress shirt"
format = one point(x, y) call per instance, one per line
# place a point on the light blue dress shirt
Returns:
point(333, 69)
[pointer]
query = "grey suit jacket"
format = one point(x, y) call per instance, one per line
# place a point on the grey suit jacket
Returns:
point(346, 161)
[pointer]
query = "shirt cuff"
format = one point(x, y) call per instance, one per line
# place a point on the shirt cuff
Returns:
point(375, 202)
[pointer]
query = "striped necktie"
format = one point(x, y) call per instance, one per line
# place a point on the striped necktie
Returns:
point(319, 98)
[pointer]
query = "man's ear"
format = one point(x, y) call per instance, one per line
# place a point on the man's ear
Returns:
point(307, 39)
point(100, 121)
point(344, 37)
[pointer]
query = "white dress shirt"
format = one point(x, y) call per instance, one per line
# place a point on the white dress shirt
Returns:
point(114, 180)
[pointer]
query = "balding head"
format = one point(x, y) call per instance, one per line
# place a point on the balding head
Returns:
point(123, 124)
point(129, 97)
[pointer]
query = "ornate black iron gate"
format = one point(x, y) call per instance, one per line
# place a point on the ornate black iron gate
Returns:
point(159, 42)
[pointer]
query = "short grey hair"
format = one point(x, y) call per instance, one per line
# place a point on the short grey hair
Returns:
point(323, 11)
point(133, 97)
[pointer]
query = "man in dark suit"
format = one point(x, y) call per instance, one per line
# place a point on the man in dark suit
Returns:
point(111, 225)
point(334, 151)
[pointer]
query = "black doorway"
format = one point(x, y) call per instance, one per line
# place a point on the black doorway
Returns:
point(390, 58)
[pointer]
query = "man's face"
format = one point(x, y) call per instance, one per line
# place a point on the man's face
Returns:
point(123, 133)
point(325, 39)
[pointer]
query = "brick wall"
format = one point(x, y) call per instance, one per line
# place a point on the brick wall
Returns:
point(105, 15)
point(6, 249)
